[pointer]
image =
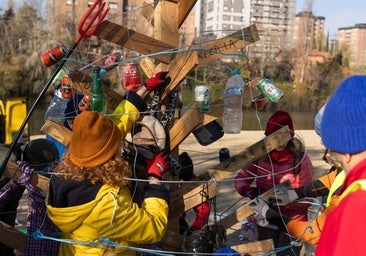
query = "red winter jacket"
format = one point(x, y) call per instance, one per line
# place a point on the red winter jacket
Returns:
point(344, 228)
point(269, 172)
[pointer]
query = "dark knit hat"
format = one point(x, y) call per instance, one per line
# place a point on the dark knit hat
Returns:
point(278, 120)
point(40, 153)
point(343, 125)
point(95, 139)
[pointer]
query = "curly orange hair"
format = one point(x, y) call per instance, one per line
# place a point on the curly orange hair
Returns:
point(113, 172)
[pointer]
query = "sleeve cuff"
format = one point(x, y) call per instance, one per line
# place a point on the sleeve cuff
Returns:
point(153, 190)
point(136, 100)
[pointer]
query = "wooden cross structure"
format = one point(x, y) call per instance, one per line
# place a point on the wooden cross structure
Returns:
point(169, 16)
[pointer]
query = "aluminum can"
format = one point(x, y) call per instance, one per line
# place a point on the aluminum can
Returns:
point(84, 103)
point(57, 80)
point(269, 90)
point(131, 79)
point(66, 89)
point(112, 61)
point(202, 97)
point(53, 55)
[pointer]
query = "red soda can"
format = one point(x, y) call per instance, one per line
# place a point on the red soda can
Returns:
point(131, 79)
point(112, 61)
point(84, 103)
point(66, 89)
point(53, 55)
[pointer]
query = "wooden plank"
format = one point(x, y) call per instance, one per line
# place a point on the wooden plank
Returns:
point(251, 154)
point(147, 11)
point(184, 126)
point(255, 248)
point(248, 155)
point(205, 120)
point(57, 131)
point(187, 201)
point(240, 214)
point(147, 66)
point(166, 23)
point(179, 68)
point(184, 8)
point(185, 198)
point(240, 39)
point(133, 40)
point(12, 237)
point(12, 171)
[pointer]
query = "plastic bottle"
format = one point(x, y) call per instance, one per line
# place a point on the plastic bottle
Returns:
point(233, 101)
point(56, 108)
point(98, 101)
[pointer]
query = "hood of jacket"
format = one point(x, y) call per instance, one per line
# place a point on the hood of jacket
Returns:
point(71, 202)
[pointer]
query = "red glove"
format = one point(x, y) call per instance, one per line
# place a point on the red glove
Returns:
point(159, 79)
point(157, 165)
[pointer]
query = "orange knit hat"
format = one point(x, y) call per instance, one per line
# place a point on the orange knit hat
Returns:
point(95, 139)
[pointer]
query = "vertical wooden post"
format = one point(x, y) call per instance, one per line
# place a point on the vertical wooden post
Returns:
point(166, 25)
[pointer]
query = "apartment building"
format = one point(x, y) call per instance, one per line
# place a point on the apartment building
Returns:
point(309, 31)
point(352, 44)
point(274, 20)
point(73, 10)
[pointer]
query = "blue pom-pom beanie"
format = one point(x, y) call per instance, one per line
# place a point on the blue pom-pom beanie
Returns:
point(343, 125)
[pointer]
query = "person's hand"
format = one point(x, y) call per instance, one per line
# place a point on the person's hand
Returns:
point(159, 79)
point(283, 196)
point(157, 165)
point(260, 207)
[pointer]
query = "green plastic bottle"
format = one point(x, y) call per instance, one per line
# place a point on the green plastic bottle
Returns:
point(98, 100)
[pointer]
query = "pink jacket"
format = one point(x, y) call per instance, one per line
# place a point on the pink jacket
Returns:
point(281, 166)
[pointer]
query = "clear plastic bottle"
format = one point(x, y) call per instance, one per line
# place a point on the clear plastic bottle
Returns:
point(56, 108)
point(98, 99)
point(233, 101)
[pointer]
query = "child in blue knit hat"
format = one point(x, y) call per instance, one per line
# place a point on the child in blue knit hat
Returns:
point(343, 130)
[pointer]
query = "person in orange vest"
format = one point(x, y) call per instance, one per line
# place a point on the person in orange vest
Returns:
point(343, 131)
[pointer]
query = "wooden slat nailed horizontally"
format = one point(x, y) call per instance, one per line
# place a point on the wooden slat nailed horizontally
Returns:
point(12, 237)
point(238, 40)
point(255, 248)
point(134, 41)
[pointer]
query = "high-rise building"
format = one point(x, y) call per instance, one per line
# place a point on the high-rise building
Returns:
point(274, 20)
point(309, 31)
point(352, 44)
point(70, 12)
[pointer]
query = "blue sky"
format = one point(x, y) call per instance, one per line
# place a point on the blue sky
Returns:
point(337, 13)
